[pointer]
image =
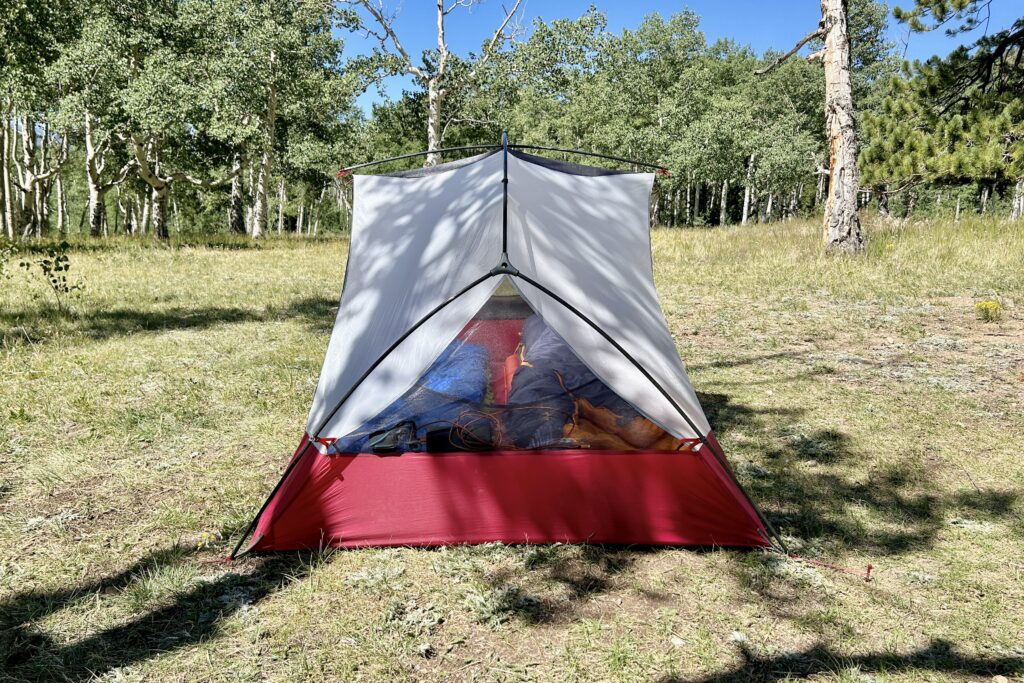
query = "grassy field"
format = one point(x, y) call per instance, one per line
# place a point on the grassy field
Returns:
point(865, 405)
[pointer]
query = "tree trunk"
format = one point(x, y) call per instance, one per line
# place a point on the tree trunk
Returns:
point(159, 212)
point(5, 198)
point(746, 190)
point(29, 194)
point(62, 204)
point(97, 210)
point(261, 204)
point(236, 217)
point(435, 99)
point(281, 199)
point(768, 211)
point(301, 218)
point(883, 201)
point(956, 215)
point(696, 201)
point(689, 190)
point(1018, 200)
point(11, 213)
point(984, 200)
point(147, 212)
point(842, 229)
point(722, 217)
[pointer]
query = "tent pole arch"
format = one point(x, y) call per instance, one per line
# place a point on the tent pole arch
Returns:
point(323, 423)
point(504, 146)
point(376, 162)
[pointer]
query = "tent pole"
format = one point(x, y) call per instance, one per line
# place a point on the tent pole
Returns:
point(591, 154)
point(504, 146)
point(504, 197)
point(380, 359)
point(465, 148)
point(703, 439)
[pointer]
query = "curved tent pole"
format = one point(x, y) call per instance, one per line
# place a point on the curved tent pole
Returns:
point(719, 456)
point(465, 148)
point(505, 146)
point(585, 153)
point(323, 423)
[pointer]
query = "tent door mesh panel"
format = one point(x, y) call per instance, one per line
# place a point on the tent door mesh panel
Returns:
point(507, 382)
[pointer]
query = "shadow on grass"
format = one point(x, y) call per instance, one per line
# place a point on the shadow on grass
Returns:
point(805, 491)
point(938, 656)
point(580, 572)
point(40, 324)
point(191, 616)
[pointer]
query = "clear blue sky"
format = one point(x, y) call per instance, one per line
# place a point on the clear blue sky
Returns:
point(761, 24)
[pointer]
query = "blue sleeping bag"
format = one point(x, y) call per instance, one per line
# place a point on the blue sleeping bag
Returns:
point(545, 388)
point(455, 383)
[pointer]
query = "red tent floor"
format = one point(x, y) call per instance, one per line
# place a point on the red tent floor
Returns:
point(568, 496)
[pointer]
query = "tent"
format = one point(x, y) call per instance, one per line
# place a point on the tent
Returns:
point(500, 370)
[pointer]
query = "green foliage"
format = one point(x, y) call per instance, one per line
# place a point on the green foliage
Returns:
point(54, 267)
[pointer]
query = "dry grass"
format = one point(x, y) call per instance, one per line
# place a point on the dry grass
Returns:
point(866, 406)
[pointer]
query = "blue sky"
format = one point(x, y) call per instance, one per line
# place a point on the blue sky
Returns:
point(761, 24)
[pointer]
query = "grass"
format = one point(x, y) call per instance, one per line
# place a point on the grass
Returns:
point(866, 406)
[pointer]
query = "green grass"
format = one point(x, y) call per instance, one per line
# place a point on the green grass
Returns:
point(865, 405)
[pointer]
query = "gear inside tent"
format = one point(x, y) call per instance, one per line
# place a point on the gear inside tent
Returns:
point(500, 370)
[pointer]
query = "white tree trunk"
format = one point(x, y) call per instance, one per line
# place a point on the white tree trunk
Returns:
point(261, 206)
point(261, 203)
point(842, 229)
point(984, 200)
point(956, 216)
point(281, 199)
point(746, 190)
point(435, 101)
point(1018, 200)
point(722, 217)
point(236, 216)
point(62, 204)
point(6, 194)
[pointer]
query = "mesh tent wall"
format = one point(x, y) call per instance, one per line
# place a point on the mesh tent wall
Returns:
point(431, 251)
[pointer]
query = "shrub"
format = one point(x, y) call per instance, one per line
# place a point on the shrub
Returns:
point(989, 310)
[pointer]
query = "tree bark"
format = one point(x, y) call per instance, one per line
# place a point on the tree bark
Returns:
point(159, 212)
point(1018, 200)
point(984, 200)
point(6, 194)
point(281, 199)
point(956, 215)
point(435, 100)
point(722, 217)
point(95, 161)
point(842, 228)
point(261, 207)
point(236, 215)
point(768, 211)
point(746, 190)
point(62, 204)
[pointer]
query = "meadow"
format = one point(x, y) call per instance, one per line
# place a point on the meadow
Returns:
point(867, 404)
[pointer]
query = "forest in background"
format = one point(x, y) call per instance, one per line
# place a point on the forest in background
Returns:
point(162, 116)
